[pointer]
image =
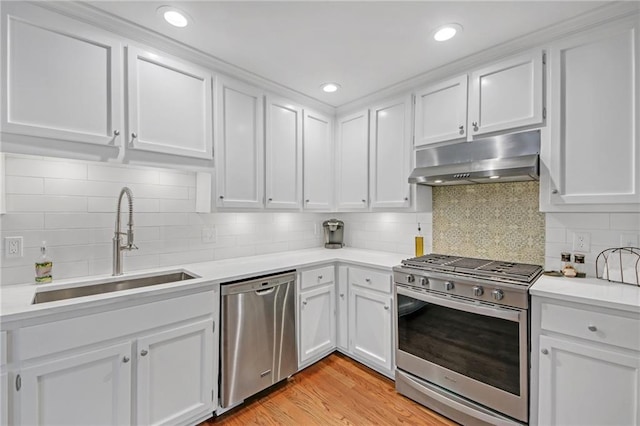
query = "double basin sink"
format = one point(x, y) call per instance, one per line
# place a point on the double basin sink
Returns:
point(119, 284)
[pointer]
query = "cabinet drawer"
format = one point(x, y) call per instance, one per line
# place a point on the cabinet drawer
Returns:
point(57, 336)
point(370, 279)
point(314, 277)
point(591, 325)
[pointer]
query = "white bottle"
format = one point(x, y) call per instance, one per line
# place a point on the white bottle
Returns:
point(44, 266)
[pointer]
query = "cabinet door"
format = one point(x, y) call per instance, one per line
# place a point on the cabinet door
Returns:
point(175, 374)
point(593, 148)
point(343, 310)
point(317, 323)
point(239, 145)
point(581, 384)
point(352, 162)
point(318, 161)
point(391, 154)
point(370, 323)
point(283, 174)
point(62, 78)
point(169, 104)
point(506, 95)
point(90, 388)
point(441, 112)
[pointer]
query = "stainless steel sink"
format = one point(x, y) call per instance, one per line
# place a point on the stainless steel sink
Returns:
point(108, 287)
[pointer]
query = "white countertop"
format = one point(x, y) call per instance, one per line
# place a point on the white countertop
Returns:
point(592, 291)
point(15, 300)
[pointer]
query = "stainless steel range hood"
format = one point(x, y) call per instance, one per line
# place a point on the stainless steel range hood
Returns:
point(504, 158)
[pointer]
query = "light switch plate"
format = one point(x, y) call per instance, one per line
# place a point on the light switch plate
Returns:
point(581, 242)
point(209, 234)
point(13, 247)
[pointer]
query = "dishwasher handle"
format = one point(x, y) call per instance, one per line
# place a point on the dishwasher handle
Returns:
point(261, 285)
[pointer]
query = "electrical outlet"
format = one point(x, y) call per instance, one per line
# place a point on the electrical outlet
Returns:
point(629, 240)
point(209, 234)
point(13, 247)
point(581, 242)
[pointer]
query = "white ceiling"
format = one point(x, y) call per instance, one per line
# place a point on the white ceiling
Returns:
point(364, 46)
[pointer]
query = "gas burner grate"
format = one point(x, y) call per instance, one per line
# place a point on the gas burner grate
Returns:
point(518, 273)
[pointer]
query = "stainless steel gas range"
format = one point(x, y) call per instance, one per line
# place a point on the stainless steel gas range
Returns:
point(462, 336)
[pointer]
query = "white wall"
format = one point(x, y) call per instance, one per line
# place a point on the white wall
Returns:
point(605, 231)
point(72, 204)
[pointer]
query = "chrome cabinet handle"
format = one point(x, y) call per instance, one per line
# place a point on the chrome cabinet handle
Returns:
point(554, 191)
point(406, 198)
point(221, 197)
point(592, 328)
point(368, 280)
point(319, 277)
point(116, 133)
point(144, 352)
point(304, 302)
point(386, 308)
point(269, 199)
point(461, 128)
point(475, 126)
point(125, 359)
point(364, 201)
point(342, 295)
point(544, 352)
point(134, 136)
point(306, 201)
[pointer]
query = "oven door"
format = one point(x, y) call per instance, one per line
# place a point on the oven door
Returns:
point(476, 350)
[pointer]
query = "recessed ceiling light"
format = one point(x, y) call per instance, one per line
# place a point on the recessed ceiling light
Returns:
point(174, 16)
point(330, 87)
point(438, 181)
point(494, 177)
point(447, 32)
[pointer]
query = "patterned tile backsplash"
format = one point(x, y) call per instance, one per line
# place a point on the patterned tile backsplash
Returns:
point(493, 221)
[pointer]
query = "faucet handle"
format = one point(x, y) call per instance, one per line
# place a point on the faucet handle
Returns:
point(132, 247)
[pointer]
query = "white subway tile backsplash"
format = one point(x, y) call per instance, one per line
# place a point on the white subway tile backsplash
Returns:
point(625, 221)
point(108, 204)
point(121, 174)
point(78, 220)
point(26, 221)
point(45, 203)
point(578, 220)
point(176, 178)
point(24, 185)
point(166, 206)
point(45, 167)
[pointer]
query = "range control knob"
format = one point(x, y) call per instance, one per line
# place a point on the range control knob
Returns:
point(498, 294)
point(424, 281)
point(478, 291)
point(410, 278)
point(448, 286)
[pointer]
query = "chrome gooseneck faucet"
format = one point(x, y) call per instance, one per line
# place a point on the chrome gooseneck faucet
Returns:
point(117, 239)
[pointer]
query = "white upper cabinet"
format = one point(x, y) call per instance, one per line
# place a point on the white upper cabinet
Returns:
point(61, 79)
point(593, 150)
point(441, 112)
point(169, 105)
point(390, 161)
point(352, 162)
point(239, 154)
point(507, 94)
point(283, 162)
point(318, 161)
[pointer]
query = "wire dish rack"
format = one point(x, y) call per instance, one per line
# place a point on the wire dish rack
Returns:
point(620, 265)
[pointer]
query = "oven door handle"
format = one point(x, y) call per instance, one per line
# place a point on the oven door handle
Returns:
point(506, 314)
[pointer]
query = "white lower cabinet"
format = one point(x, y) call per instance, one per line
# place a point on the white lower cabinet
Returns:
point(148, 364)
point(370, 318)
point(316, 315)
point(87, 388)
point(581, 384)
point(342, 314)
point(175, 374)
point(585, 365)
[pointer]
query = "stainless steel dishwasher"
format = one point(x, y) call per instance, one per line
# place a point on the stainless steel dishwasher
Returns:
point(258, 335)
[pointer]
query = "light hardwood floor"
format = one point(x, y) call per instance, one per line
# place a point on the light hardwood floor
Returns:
point(334, 391)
